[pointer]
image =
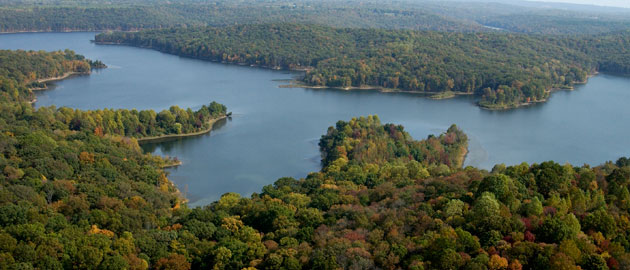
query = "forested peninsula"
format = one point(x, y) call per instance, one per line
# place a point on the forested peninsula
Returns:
point(21, 72)
point(24, 71)
point(73, 197)
point(504, 70)
point(382, 200)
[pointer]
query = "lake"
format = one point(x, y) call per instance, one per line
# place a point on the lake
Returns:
point(274, 131)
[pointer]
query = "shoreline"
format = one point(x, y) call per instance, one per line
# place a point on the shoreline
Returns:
point(43, 31)
point(299, 84)
point(53, 79)
point(299, 69)
point(462, 158)
point(532, 103)
point(69, 31)
point(58, 78)
point(431, 95)
point(171, 136)
point(181, 196)
point(172, 164)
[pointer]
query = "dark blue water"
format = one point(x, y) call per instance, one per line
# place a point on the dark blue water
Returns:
point(274, 131)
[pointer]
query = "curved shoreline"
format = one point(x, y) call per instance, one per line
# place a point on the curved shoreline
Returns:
point(170, 136)
point(300, 84)
point(172, 164)
point(53, 79)
point(58, 78)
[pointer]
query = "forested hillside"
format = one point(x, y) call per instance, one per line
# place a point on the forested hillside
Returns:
point(365, 212)
point(361, 211)
point(86, 18)
point(461, 16)
point(611, 52)
point(144, 15)
point(506, 70)
point(74, 187)
point(56, 181)
point(77, 192)
point(76, 199)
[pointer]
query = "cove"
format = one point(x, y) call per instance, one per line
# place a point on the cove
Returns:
point(274, 131)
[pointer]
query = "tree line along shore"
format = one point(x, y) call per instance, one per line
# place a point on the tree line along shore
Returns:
point(504, 70)
point(76, 191)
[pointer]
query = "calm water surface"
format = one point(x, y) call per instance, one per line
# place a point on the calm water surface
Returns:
point(274, 131)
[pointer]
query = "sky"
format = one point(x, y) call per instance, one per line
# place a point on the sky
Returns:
point(612, 3)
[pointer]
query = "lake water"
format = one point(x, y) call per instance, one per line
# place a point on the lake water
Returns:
point(274, 131)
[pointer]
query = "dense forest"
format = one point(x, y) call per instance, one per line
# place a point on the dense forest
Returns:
point(51, 172)
point(73, 198)
point(381, 201)
point(85, 19)
point(477, 16)
point(77, 191)
point(146, 16)
point(142, 124)
point(506, 70)
point(63, 169)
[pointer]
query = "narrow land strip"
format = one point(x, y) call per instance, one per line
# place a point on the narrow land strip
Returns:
point(211, 123)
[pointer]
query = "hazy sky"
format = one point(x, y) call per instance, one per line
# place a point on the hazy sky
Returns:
point(613, 3)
